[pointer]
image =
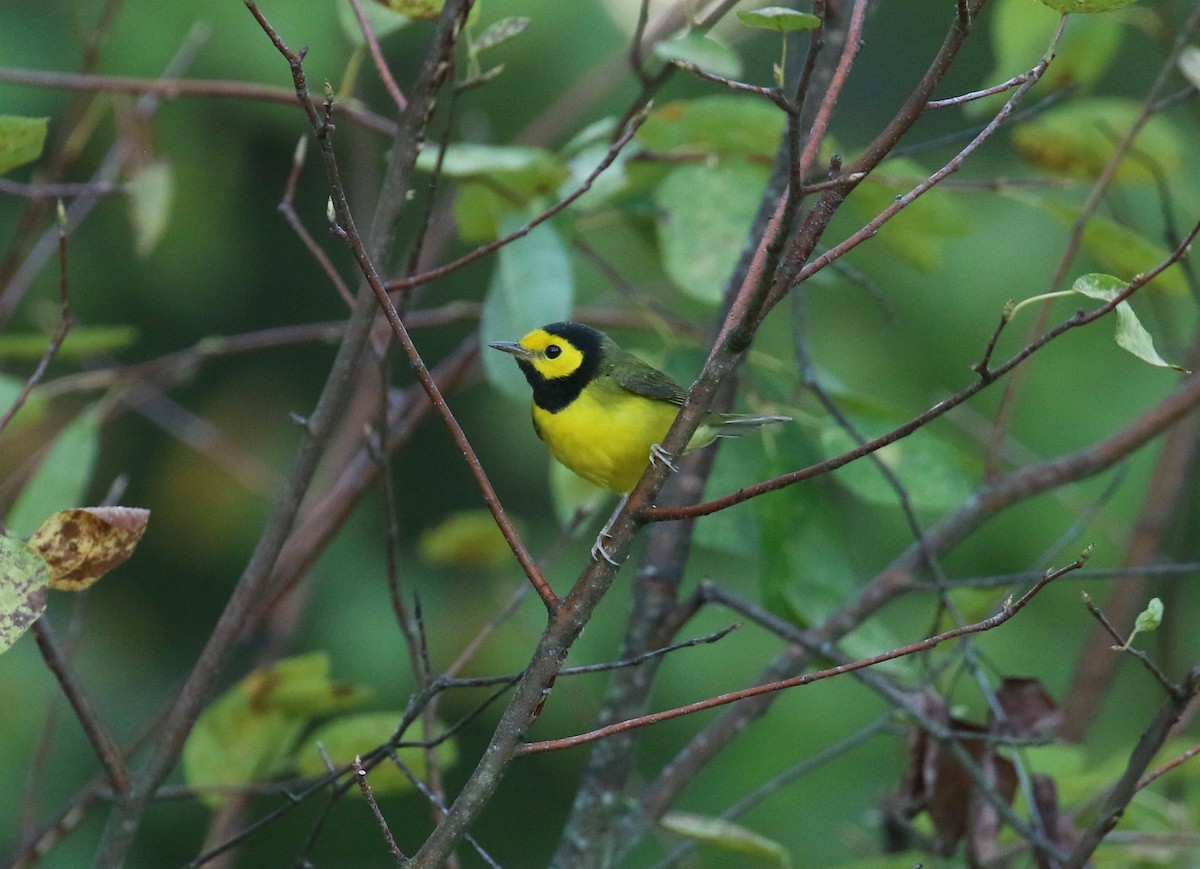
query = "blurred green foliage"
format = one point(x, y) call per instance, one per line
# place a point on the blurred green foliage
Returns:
point(196, 248)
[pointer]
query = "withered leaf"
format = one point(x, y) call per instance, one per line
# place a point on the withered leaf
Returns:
point(82, 545)
point(1029, 710)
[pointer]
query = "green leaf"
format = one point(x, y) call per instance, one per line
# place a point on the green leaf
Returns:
point(1189, 65)
point(779, 18)
point(469, 539)
point(355, 735)
point(726, 836)
point(706, 212)
point(418, 10)
point(1078, 139)
point(478, 210)
point(248, 733)
point(736, 124)
point(62, 478)
point(1020, 32)
point(1118, 248)
point(24, 576)
point(531, 286)
point(81, 341)
point(1151, 617)
point(21, 140)
point(918, 234)
point(703, 51)
point(1131, 334)
point(521, 171)
point(499, 32)
point(384, 21)
point(931, 469)
point(151, 193)
point(1068, 6)
point(572, 495)
point(612, 182)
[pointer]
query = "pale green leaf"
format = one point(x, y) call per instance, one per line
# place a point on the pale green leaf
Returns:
point(499, 32)
point(573, 496)
point(354, 735)
point(23, 579)
point(1189, 65)
point(1151, 617)
point(1020, 31)
point(521, 171)
point(721, 124)
point(779, 18)
point(62, 478)
point(705, 215)
point(469, 539)
point(726, 836)
point(382, 19)
point(21, 140)
point(703, 51)
point(931, 470)
point(151, 193)
point(920, 232)
point(1077, 140)
point(1119, 249)
point(1131, 335)
point(531, 286)
point(418, 10)
point(248, 733)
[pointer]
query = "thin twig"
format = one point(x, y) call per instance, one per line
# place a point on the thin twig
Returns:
point(381, 67)
point(987, 624)
point(97, 734)
point(60, 334)
point(483, 250)
point(360, 776)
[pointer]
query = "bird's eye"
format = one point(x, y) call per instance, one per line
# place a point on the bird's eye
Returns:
point(553, 351)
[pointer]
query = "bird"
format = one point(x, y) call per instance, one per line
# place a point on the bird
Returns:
point(602, 411)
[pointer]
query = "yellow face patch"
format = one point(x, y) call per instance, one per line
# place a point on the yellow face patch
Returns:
point(553, 356)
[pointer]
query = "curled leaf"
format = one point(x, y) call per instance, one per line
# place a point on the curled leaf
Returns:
point(1151, 617)
point(779, 18)
point(80, 546)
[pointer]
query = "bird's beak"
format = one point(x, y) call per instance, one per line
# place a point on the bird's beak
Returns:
point(511, 347)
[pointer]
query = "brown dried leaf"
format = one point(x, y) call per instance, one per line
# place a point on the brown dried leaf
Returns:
point(1029, 710)
point(84, 544)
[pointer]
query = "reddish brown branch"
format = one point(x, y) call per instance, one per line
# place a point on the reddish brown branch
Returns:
point(805, 679)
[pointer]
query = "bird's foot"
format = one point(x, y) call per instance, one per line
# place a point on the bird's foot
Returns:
point(658, 454)
point(598, 549)
point(599, 552)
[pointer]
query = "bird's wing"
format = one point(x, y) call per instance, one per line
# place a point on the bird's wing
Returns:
point(642, 379)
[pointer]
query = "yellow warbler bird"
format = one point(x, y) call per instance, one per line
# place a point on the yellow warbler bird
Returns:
point(602, 411)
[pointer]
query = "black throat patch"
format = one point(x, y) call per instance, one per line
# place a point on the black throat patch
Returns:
point(554, 395)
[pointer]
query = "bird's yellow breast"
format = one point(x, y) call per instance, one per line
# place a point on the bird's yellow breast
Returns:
point(605, 434)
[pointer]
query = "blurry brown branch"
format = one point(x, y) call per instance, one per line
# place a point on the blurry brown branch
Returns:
point(173, 88)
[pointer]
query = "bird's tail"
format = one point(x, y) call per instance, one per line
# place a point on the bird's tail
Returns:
point(736, 424)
